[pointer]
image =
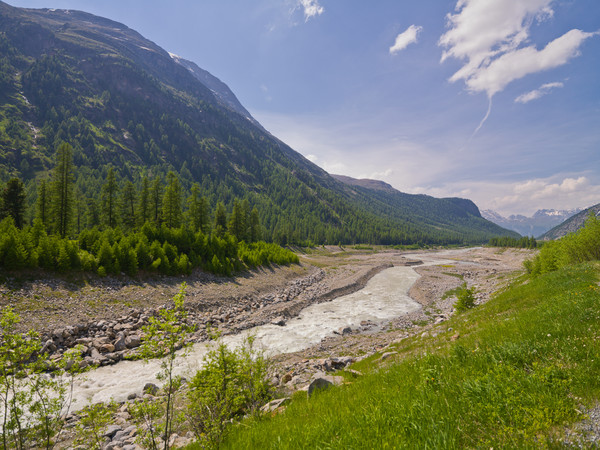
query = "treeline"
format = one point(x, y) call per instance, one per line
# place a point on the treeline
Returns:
point(129, 230)
point(507, 241)
point(578, 247)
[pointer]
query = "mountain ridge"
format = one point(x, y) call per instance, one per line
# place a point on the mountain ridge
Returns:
point(536, 225)
point(123, 101)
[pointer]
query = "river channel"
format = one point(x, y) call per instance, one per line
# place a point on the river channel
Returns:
point(384, 297)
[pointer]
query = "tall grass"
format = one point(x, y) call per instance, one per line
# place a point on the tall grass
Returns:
point(522, 368)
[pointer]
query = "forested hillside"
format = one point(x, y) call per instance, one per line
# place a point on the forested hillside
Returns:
point(134, 113)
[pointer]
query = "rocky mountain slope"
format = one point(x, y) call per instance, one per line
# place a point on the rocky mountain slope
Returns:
point(120, 100)
point(536, 225)
point(572, 224)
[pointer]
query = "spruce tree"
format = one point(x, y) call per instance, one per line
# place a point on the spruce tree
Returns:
point(197, 212)
point(42, 205)
point(220, 220)
point(110, 199)
point(172, 213)
point(13, 201)
point(156, 200)
point(144, 202)
point(62, 189)
point(128, 206)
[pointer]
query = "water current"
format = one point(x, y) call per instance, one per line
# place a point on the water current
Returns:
point(384, 297)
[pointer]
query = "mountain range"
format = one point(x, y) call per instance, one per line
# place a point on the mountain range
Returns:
point(536, 225)
point(572, 224)
point(123, 102)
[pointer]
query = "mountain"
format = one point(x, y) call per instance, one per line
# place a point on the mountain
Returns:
point(536, 225)
point(122, 101)
point(572, 224)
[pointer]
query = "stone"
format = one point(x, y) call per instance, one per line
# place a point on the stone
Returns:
point(323, 382)
point(387, 355)
point(120, 344)
point(455, 337)
point(274, 404)
point(150, 388)
point(279, 321)
point(133, 341)
point(107, 348)
point(48, 347)
point(111, 430)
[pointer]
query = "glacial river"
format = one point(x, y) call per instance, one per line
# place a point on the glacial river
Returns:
point(384, 297)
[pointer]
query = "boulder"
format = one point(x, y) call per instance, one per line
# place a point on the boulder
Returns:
point(323, 382)
point(133, 341)
point(150, 388)
point(120, 343)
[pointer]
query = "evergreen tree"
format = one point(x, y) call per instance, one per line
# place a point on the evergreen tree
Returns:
point(13, 201)
point(197, 213)
point(62, 189)
point(110, 198)
point(220, 220)
point(128, 206)
point(237, 221)
point(42, 207)
point(144, 202)
point(172, 213)
point(254, 231)
point(156, 200)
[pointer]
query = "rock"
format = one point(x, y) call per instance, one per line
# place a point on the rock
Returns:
point(150, 388)
point(279, 321)
point(286, 378)
point(387, 355)
point(323, 382)
point(274, 404)
point(111, 430)
point(355, 373)
point(48, 347)
point(132, 341)
point(345, 330)
point(107, 348)
point(455, 337)
point(120, 343)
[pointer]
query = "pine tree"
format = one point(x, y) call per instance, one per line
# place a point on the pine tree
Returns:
point(172, 213)
point(62, 189)
point(42, 205)
point(144, 202)
point(237, 221)
point(128, 206)
point(197, 213)
point(220, 220)
point(13, 201)
point(156, 200)
point(254, 231)
point(110, 198)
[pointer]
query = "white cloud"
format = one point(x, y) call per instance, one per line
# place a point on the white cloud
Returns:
point(490, 36)
point(311, 9)
point(525, 197)
point(404, 39)
point(537, 93)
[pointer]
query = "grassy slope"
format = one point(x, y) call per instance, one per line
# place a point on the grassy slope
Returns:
point(523, 367)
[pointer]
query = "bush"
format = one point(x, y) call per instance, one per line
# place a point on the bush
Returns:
point(465, 299)
point(232, 383)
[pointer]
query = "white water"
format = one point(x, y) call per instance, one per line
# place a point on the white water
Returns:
point(384, 297)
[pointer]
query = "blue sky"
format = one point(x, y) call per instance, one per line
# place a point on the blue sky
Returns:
point(493, 100)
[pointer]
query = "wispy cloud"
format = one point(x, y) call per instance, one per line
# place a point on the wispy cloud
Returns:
point(491, 37)
point(404, 39)
point(539, 92)
point(311, 9)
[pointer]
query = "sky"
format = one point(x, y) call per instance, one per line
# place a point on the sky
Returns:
point(497, 101)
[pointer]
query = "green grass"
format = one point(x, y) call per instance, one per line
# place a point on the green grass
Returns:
point(525, 364)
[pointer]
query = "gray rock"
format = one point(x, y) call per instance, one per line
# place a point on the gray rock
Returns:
point(323, 382)
point(111, 430)
point(150, 388)
point(133, 341)
point(120, 343)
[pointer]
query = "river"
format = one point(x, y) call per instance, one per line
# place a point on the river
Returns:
point(384, 297)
